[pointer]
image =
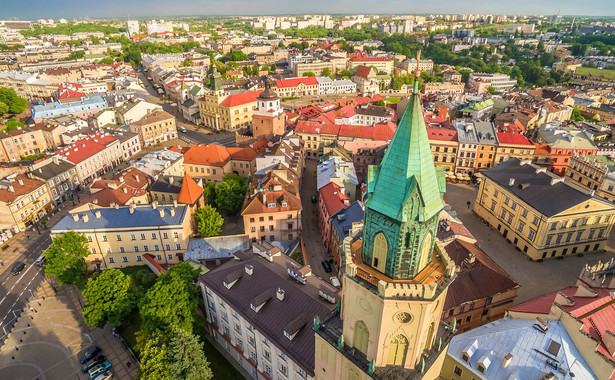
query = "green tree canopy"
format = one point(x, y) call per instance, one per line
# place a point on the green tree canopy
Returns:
point(309, 74)
point(273, 67)
point(209, 192)
point(576, 115)
point(110, 296)
point(326, 72)
point(208, 221)
point(491, 90)
point(65, 258)
point(16, 103)
point(155, 360)
point(171, 302)
point(3, 108)
point(187, 62)
point(230, 194)
point(187, 358)
point(235, 55)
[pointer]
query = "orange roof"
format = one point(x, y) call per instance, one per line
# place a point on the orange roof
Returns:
point(29, 185)
point(363, 71)
point(242, 154)
point(179, 149)
point(190, 191)
point(294, 82)
point(542, 149)
point(213, 155)
point(239, 99)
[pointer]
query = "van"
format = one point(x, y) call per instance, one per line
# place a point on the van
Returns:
point(335, 282)
point(41, 260)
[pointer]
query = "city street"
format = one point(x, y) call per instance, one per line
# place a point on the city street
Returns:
point(534, 277)
point(309, 221)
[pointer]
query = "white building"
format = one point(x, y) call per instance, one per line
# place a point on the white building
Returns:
point(261, 309)
point(132, 27)
point(327, 85)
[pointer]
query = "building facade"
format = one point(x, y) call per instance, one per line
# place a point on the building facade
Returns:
point(23, 201)
point(154, 128)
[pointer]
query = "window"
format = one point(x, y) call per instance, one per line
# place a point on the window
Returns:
point(154, 236)
point(176, 235)
point(165, 235)
point(178, 246)
point(124, 259)
point(121, 249)
point(142, 236)
point(145, 248)
point(458, 371)
point(108, 250)
point(284, 370)
point(251, 220)
point(524, 213)
point(532, 234)
point(132, 237)
point(111, 261)
point(89, 238)
point(521, 226)
point(118, 237)
point(167, 247)
point(156, 247)
point(549, 238)
point(138, 258)
point(492, 205)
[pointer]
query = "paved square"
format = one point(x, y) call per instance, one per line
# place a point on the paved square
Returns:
point(535, 278)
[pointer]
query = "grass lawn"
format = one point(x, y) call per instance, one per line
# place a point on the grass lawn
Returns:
point(593, 72)
point(393, 99)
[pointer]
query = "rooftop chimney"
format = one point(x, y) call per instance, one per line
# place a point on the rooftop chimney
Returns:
point(97, 213)
point(20, 181)
point(506, 360)
point(122, 179)
point(137, 178)
point(154, 205)
point(132, 208)
point(161, 212)
point(249, 269)
point(86, 218)
point(76, 217)
point(511, 182)
point(175, 203)
point(280, 294)
point(172, 211)
point(125, 190)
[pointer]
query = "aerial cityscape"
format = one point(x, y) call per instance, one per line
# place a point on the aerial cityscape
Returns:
point(288, 191)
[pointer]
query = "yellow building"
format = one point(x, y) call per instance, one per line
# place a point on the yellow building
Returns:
point(444, 146)
point(156, 127)
point(513, 145)
point(23, 200)
point(396, 275)
point(221, 111)
point(120, 236)
point(540, 214)
point(22, 143)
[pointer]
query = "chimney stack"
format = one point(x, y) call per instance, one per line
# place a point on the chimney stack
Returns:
point(137, 178)
point(511, 182)
point(132, 208)
point(161, 212)
point(86, 218)
point(506, 360)
point(97, 213)
point(175, 203)
point(172, 211)
point(20, 181)
point(154, 205)
point(76, 217)
point(249, 269)
point(280, 294)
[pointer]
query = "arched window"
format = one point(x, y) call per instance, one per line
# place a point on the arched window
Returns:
point(361, 337)
point(397, 350)
point(430, 336)
point(379, 253)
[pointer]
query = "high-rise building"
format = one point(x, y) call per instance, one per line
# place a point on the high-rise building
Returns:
point(396, 273)
point(132, 27)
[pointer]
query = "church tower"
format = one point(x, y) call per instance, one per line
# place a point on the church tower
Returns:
point(396, 274)
point(268, 119)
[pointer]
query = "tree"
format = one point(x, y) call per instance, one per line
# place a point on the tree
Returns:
point(171, 302)
point(576, 115)
point(230, 194)
point(309, 74)
point(13, 124)
point(326, 72)
point(380, 103)
point(187, 358)
point(491, 90)
point(110, 296)
point(65, 258)
point(187, 62)
point(209, 192)
point(541, 46)
point(347, 73)
point(208, 221)
point(16, 103)
point(154, 356)
point(3, 108)
point(273, 68)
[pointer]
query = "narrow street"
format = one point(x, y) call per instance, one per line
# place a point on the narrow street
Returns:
point(309, 219)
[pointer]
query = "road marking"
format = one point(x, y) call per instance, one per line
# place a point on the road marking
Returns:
point(2, 300)
point(24, 273)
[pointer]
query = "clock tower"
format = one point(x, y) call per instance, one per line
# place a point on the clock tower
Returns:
point(396, 273)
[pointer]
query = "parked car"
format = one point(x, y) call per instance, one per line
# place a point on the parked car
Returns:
point(17, 267)
point(98, 369)
point(89, 354)
point(314, 199)
point(183, 129)
point(92, 362)
point(326, 266)
point(104, 376)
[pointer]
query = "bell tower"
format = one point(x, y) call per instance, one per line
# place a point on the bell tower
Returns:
point(268, 119)
point(396, 274)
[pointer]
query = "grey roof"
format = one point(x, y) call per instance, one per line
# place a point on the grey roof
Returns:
point(275, 315)
point(567, 137)
point(164, 185)
point(486, 133)
point(527, 344)
point(537, 190)
point(218, 247)
point(466, 133)
point(52, 169)
point(110, 217)
point(343, 219)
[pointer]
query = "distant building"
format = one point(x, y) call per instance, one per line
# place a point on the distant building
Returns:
point(594, 173)
point(480, 82)
point(155, 127)
point(331, 199)
point(61, 177)
point(444, 146)
point(23, 201)
point(562, 142)
point(132, 28)
point(80, 107)
point(541, 214)
point(513, 145)
point(468, 147)
point(223, 111)
point(487, 145)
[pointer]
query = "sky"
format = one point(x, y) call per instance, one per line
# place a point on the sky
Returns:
point(36, 9)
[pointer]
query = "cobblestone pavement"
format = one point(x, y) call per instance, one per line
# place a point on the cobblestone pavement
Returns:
point(535, 278)
point(49, 336)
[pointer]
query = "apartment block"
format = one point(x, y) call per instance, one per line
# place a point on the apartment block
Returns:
point(23, 200)
point(154, 128)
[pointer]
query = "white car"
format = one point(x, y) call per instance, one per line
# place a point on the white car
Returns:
point(104, 376)
point(335, 282)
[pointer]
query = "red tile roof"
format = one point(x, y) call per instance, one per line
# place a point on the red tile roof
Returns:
point(513, 138)
point(333, 197)
point(29, 185)
point(363, 71)
point(442, 134)
point(132, 177)
point(294, 82)
point(85, 148)
point(346, 111)
point(315, 127)
point(212, 155)
point(240, 99)
point(190, 191)
point(242, 154)
point(362, 56)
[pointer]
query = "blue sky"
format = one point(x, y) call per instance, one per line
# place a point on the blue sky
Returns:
point(34, 9)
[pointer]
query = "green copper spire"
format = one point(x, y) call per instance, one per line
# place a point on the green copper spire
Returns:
point(404, 199)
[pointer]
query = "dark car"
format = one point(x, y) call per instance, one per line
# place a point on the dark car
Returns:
point(314, 199)
point(17, 267)
point(89, 354)
point(326, 266)
point(92, 362)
